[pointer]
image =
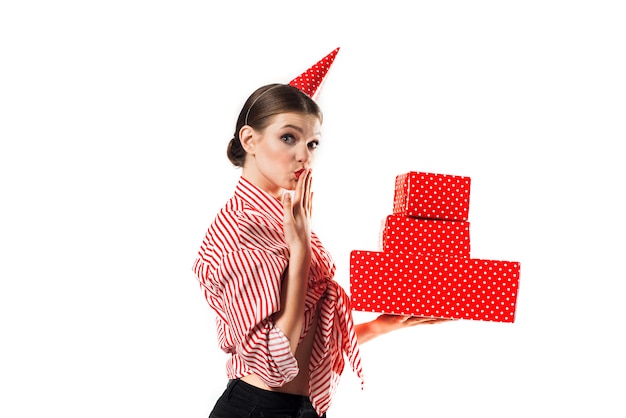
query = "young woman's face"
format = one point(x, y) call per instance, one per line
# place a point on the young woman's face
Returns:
point(278, 155)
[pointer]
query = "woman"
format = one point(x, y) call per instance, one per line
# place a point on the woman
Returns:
point(280, 315)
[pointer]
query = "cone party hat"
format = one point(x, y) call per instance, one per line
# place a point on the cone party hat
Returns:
point(311, 80)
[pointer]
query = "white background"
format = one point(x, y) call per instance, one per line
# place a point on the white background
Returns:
point(114, 118)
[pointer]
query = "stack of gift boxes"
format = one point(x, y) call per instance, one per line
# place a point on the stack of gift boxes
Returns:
point(425, 268)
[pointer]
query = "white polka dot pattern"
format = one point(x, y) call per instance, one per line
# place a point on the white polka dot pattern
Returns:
point(458, 288)
point(432, 196)
point(310, 81)
point(425, 268)
point(426, 237)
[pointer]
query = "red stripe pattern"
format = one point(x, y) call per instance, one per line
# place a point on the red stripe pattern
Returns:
point(239, 266)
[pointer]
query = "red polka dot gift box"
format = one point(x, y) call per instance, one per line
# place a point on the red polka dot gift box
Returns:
point(426, 236)
point(425, 267)
point(456, 288)
point(432, 196)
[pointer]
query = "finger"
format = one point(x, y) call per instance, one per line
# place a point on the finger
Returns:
point(308, 194)
point(300, 189)
point(305, 190)
point(420, 320)
point(433, 320)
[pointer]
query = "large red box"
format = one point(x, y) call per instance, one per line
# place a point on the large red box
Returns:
point(426, 237)
point(439, 287)
point(432, 196)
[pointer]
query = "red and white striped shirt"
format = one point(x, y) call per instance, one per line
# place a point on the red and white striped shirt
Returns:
point(240, 265)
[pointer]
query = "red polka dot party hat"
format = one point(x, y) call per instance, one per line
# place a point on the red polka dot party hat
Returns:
point(311, 80)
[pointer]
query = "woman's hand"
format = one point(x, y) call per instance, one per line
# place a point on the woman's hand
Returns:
point(386, 323)
point(297, 228)
point(297, 214)
point(393, 322)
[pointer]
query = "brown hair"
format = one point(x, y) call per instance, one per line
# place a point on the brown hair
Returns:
point(261, 106)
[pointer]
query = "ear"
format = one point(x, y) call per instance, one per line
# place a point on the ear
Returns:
point(247, 137)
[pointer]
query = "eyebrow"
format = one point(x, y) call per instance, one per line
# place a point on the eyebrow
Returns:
point(299, 129)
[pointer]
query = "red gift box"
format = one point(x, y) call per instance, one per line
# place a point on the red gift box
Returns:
point(426, 237)
point(440, 287)
point(432, 196)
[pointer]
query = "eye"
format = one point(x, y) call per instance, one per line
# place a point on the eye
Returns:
point(313, 144)
point(288, 139)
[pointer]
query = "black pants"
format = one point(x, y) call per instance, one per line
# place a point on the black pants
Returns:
point(241, 400)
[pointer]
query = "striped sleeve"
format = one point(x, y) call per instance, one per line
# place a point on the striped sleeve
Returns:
point(242, 271)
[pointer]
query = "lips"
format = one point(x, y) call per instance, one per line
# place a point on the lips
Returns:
point(299, 173)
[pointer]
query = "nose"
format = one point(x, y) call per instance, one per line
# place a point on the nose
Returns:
point(303, 154)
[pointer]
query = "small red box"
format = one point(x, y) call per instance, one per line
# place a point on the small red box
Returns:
point(402, 234)
point(432, 196)
point(439, 287)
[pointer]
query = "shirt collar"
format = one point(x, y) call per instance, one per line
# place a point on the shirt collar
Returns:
point(259, 199)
